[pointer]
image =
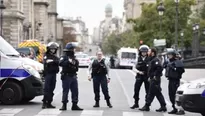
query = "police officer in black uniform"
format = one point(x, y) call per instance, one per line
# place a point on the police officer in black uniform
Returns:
point(141, 69)
point(174, 71)
point(69, 76)
point(99, 72)
point(51, 68)
point(155, 73)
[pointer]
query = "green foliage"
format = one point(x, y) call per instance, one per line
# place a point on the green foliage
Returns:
point(115, 42)
point(148, 25)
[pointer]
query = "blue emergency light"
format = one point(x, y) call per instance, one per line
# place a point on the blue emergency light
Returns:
point(203, 93)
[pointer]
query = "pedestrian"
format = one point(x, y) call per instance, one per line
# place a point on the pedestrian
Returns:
point(112, 62)
point(154, 73)
point(51, 68)
point(69, 65)
point(174, 71)
point(99, 72)
point(141, 77)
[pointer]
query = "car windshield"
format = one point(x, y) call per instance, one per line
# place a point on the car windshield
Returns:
point(23, 50)
point(81, 56)
point(7, 49)
point(128, 55)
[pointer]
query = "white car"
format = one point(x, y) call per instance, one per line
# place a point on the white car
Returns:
point(191, 96)
point(84, 59)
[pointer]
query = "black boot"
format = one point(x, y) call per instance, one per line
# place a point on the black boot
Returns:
point(49, 105)
point(180, 112)
point(76, 107)
point(135, 105)
point(64, 107)
point(97, 104)
point(174, 111)
point(145, 108)
point(44, 105)
point(162, 109)
point(108, 103)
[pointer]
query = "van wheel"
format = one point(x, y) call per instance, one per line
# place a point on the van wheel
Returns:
point(11, 93)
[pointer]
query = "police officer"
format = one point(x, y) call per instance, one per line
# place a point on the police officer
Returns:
point(69, 76)
point(51, 68)
point(99, 72)
point(112, 61)
point(141, 69)
point(155, 72)
point(174, 71)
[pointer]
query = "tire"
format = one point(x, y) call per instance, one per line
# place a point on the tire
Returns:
point(25, 100)
point(11, 93)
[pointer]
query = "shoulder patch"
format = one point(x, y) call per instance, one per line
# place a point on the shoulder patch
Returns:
point(45, 57)
point(157, 62)
point(61, 58)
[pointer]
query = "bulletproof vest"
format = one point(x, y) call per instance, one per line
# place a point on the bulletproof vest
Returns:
point(72, 67)
point(142, 65)
point(171, 69)
point(52, 67)
point(99, 68)
point(155, 69)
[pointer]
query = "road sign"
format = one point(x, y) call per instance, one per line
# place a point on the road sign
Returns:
point(160, 42)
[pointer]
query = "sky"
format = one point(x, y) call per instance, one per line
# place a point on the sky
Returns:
point(91, 11)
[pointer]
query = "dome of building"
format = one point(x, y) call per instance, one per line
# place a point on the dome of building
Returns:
point(108, 8)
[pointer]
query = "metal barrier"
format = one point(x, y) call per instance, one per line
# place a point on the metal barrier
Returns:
point(198, 62)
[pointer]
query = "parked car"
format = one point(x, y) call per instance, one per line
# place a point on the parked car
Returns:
point(191, 96)
point(84, 59)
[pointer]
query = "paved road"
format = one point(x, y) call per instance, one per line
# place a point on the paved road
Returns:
point(121, 90)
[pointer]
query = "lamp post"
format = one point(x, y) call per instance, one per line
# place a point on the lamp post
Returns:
point(160, 10)
point(2, 7)
point(203, 31)
point(182, 48)
point(176, 24)
point(195, 42)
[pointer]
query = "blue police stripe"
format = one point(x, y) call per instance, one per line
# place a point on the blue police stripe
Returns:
point(17, 73)
point(203, 94)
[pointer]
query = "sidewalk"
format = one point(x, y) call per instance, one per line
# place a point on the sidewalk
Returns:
point(193, 74)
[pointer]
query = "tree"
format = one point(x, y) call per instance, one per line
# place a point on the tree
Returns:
point(147, 26)
point(115, 41)
point(68, 35)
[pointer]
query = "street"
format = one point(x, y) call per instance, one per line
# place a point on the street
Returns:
point(121, 90)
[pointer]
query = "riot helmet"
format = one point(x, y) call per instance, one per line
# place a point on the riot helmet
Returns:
point(171, 53)
point(143, 50)
point(69, 48)
point(52, 47)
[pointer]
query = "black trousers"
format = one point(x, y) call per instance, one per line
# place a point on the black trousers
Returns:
point(155, 90)
point(97, 82)
point(140, 79)
point(173, 86)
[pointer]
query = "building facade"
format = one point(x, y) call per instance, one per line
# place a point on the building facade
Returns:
point(30, 19)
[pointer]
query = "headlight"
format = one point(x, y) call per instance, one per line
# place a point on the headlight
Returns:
point(197, 86)
point(32, 71)
point(38, 68)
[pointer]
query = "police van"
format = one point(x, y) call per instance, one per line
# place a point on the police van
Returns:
point(191, 96)
point(19, 78)
point(126, 57)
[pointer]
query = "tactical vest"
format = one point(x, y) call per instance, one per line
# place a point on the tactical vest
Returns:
point(99, 68)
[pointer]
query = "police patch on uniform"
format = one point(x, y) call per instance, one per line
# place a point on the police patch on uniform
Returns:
point(61, 58)
point(157, 63)
point(44, 57)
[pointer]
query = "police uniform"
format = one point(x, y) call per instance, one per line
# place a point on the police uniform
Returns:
point(99, 71)
point(174, 71)
point(142, 66)
point(51, 68)
point(69, 77)
point(155, 73)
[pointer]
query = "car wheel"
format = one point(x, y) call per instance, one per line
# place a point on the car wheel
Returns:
point(11, 93)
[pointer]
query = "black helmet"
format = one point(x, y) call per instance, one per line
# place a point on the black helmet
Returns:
point(70, 46)
point(52, 45)
point(172, 52)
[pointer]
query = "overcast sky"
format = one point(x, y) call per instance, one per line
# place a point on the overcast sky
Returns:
point(91, 11)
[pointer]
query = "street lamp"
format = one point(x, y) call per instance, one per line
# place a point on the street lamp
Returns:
point(176, 24)
point(2, 7)
point(182, 37)
point(203, 31)
point(160, 10)
point(195, 42)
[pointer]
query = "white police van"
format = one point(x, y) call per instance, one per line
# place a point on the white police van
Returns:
point(126, 57)
point(19, 78)
point(191, 96)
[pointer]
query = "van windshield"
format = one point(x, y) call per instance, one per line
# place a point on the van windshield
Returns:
point(128, 55)
point(6, 48)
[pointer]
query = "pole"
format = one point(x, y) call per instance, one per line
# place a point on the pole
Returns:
point(1, 22)
point(183, 47)
point(176, 27)
point(160, 22)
